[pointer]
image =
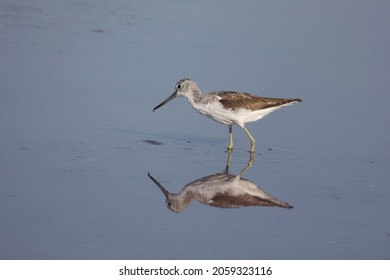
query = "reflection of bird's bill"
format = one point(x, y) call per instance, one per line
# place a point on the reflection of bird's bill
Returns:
point(166, 101)
point(164, 191)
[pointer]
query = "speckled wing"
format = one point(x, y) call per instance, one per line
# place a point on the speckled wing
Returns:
point(238, 100)
point(225, 200)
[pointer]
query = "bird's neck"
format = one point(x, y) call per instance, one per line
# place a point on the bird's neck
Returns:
point(195, 97)
point(184, 198)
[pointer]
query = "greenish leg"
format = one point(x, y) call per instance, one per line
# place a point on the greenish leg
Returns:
point(249, 164)
point(230, 147)
point(228, 161)
point(253, 141)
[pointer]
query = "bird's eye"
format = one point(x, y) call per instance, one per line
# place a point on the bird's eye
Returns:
point(179, 86)
point(169, 204)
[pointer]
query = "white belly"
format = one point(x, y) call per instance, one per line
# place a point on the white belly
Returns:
point(218, 113)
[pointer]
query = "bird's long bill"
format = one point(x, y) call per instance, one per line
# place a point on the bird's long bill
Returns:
point(164, 191)
point(165, 101)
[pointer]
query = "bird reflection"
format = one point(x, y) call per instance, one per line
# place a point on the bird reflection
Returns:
point(222, 190)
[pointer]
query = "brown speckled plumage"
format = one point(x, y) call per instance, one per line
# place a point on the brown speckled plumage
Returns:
point(225, 200)
point(235, 100)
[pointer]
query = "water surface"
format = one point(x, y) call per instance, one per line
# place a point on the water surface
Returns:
point(78, 82)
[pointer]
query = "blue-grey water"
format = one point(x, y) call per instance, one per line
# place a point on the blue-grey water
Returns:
point(79, 79)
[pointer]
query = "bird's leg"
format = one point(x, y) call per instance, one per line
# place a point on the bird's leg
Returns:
point(253, 141)
point(228, 161)
point(249, 164)
point(230, 147)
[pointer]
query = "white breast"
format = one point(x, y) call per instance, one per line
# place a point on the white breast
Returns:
point(218, 113)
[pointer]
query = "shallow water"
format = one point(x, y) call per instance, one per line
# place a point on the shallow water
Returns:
point(78, 82)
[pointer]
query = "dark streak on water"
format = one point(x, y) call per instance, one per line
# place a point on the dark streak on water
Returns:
point(152, 142)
